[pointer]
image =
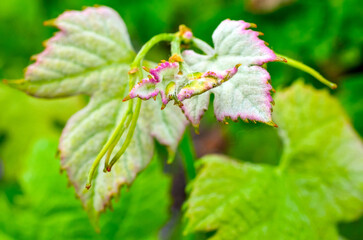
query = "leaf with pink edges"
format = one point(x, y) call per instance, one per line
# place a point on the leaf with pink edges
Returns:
point(91, 55)
point(247, 94)
point(168, 80)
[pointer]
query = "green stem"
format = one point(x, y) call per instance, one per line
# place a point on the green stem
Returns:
point(175, 45)
point(126, 120)
point(130, 133)
point(120, 128)
point(284, 160)
point(187, 152)
point(147, 46)
point(175, 49)
point(301, 66)
point(137, 63)
point(118, 132)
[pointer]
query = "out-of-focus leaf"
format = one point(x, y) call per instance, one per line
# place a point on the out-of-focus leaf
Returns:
point(49, 210)
point(259, 142)
point(266, 6)
point(24, 120)
point(324, 151)
point(318, 182)
point(5, 227)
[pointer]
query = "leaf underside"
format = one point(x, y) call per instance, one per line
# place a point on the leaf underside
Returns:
point(91, 55)
point(247, 94)
point(322, 185)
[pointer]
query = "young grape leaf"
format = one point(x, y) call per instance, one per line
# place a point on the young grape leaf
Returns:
point(318, 183)
point(171, 83)
point(35, 215)
point(91, 55)
point(247, 94)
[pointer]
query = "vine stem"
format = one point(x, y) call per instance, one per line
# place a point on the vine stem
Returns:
point(126, 120)
point(175, 45)
point(137, 65)
point(301, 66)
point(148, 45)
point(187, 153)
point(284, 161)
point(130, 133)
point(120, 128)
point(130, 118)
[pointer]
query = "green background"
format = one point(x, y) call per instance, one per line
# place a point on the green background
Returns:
point(326, 35)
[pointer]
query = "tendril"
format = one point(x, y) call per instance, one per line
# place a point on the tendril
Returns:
point(130, 119)
point(301, 66)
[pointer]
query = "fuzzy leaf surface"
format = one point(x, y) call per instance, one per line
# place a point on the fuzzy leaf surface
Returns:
point(91, 55)
point(167, 81)
point(320, 185)
point(247, 94)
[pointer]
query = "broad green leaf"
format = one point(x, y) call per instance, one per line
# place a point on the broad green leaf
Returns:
point(24, 120)
point(318, 182)
point(324, 151)
point(48, 209)
point(5, 214)
point(91, 55)
point(247, 94)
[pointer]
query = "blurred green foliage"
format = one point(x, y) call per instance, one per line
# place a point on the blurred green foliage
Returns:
point(46, 209)
point(326, 35)
point(24, 120)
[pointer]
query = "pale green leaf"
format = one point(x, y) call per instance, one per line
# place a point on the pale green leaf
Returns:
point(92, 47)
point(324, 152)
point(91, 55)
point(245, 201)
point(317, 184)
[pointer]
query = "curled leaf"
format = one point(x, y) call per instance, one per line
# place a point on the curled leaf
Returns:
point(170, 82)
